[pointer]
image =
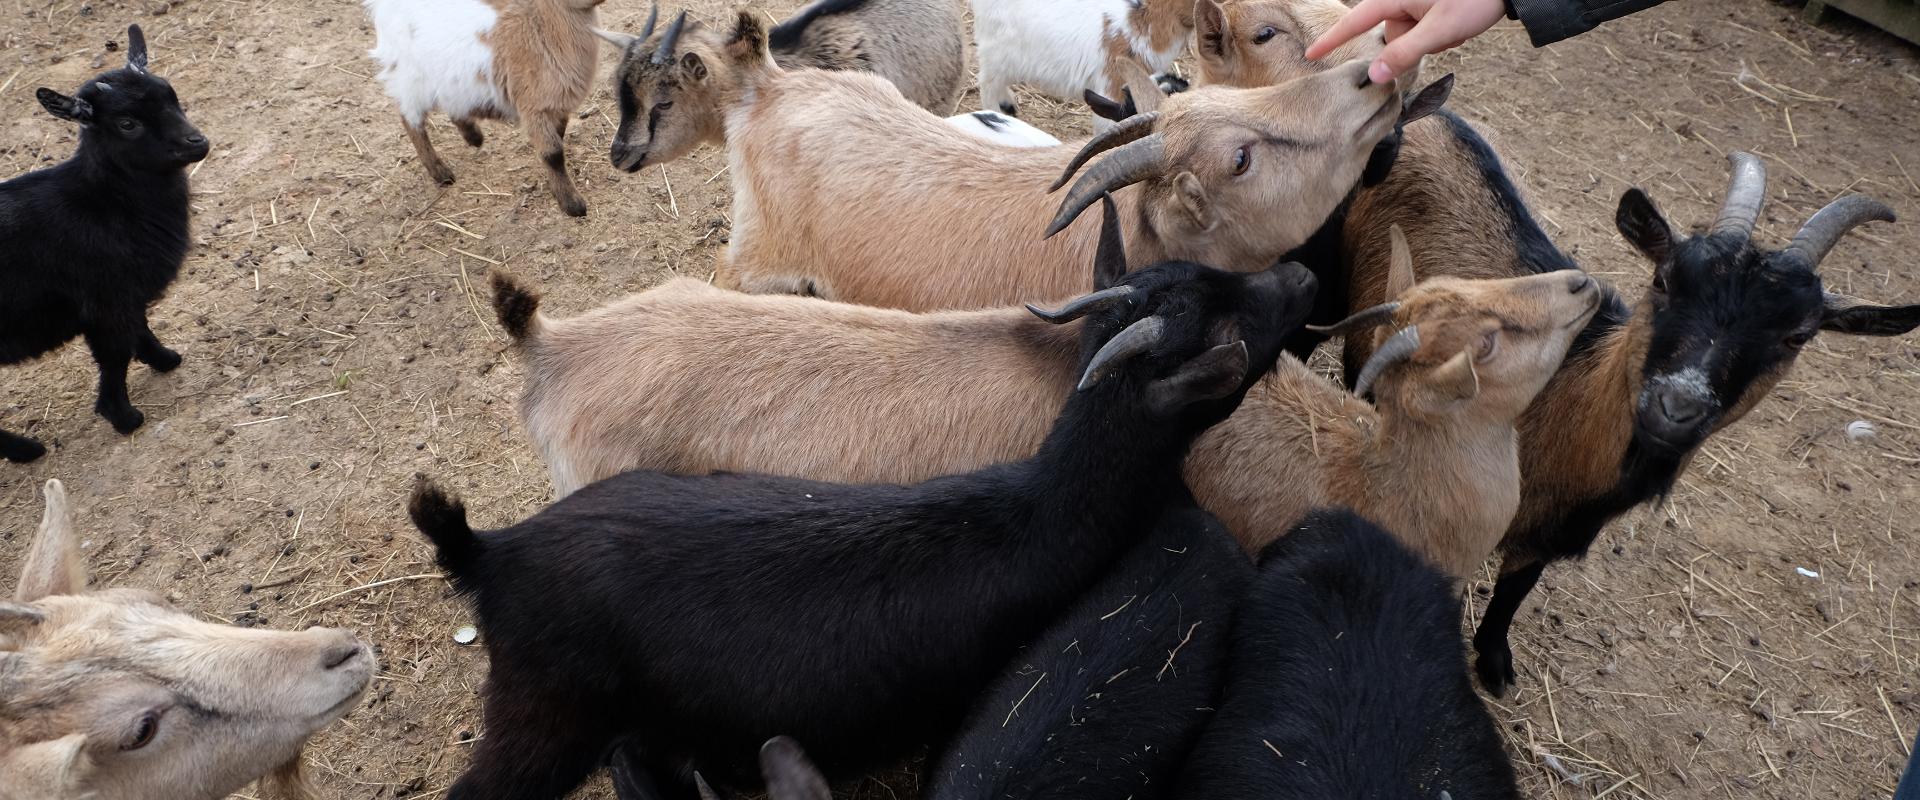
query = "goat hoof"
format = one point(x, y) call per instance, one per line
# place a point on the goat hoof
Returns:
point(21, 450)
point(574, 206)
point(162, 360)
point(441, 176)
point(126, 420)
point(473, 137)
point(1495, 669)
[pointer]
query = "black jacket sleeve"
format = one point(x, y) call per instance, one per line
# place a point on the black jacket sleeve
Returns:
point(1549, 21)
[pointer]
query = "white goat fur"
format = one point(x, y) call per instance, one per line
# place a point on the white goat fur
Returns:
point(1062, 47)
point(1001, 129)
point(433, 55)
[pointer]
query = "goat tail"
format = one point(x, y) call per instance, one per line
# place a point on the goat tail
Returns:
point(443, 518)
point(517, 307)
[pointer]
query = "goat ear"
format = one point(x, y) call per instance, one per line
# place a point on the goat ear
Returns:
point(1400, 274)
point(1209, 376)
point(1210, 30)
point(748, 45)
point(1428, 100)
point(71, 109)
point(15, 619)
point(136, 49)
point(1641, 222)
point(790, 776)
point(620, 41)
point(693, 67)
point(54, 564)
point(54, 768)
point(1193, 200)
point(1453, 382)
point(1847, 315)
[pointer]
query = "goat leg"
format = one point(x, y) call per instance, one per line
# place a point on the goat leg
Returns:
point(148, 349)
point(19, 449)
point(548, 132)
point(113, 352)
point(1494, 663)
point(423, 147)
point(469, 132)
point(531, 753)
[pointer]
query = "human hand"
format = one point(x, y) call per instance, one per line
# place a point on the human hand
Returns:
point(1414, 29)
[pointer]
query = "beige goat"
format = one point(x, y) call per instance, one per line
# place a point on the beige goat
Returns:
point(116, 694)
point(690, 378)
point(844, 189)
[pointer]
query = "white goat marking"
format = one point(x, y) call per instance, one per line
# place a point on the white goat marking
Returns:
point(1002, 130)
point(433, 55)
point(1691, 381)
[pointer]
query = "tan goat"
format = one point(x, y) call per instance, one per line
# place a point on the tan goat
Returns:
point(844, 189)
point(116, 694)
point(693, 379)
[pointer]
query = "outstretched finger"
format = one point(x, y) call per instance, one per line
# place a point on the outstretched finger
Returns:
point(1359, 20)
point(1404, 52)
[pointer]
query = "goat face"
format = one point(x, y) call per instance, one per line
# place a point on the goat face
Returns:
point(132, 116)
point(1726, 319)
point(670, 86)
point(1490, 345)
point(1263, 42)
point(117, 694)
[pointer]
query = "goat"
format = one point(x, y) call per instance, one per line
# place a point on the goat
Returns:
point(115, 693)
point(95, 240)
point(676, 88)
point(1065, 47)
point(1000, 129)
point(529, 62)
point(1230, 179)
point(1347, 679)
point(707, 591)
point(1107, 702)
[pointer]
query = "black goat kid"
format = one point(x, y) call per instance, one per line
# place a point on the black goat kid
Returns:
point(1348, 679)
point(687, 619)
point(90, 243)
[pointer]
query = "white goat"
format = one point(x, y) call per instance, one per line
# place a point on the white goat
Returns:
point(1065, 47)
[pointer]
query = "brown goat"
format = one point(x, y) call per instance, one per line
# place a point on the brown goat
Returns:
point(525, 61)
point(672, 84)
point(114, 693)
point(689, 378)
point(1227, 178)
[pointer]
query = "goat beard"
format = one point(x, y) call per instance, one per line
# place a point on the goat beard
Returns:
point(288, 782)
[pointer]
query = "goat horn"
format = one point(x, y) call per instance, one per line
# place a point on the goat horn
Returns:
point(1395, 350)
point(1816, 238)
point(652, 17)
point(1745, 191)
point(700, 785)
point(1138, 338)
point(1126, 166)
point(1361, 320)
point(1083, 305)
point(1127, 130)
point(669, 40)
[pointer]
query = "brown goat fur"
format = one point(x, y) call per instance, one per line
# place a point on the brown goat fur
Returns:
point(916, 45)
point(114, 693)
point(689, 378)
point(944, 221)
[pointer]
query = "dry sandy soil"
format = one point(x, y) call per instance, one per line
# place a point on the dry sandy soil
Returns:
point(336, 344)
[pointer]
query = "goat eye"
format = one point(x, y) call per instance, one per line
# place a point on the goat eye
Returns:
point(663, 105)
point(1799, 340)
point(1488, 344)
point(1242, 158)
point(144, 732)
point(127, 124)
point(1265, 35)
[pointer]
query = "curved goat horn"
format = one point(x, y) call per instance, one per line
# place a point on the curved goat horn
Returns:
point(1361, 320)
point(669, 40)
point(1746, 188)
point(1816, 238)
point(1083, 305)
point(1128, 130)
point(652, 17)
point(1395, 350)
point(1125, 167)
point(1138, 338)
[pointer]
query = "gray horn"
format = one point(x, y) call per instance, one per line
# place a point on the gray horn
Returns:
point(1126, 166)
point(1745, 191)
point(669, 40)
point(1127, 130)
point(1816, 238)
point(652, 17)
point(1364, 319)
point(1082, 305)
point(1396, 350)
point(1138, 338)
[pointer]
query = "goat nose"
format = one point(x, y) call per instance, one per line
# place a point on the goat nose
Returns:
point(1578, 283)
point(1681, 409)
point(339, 656)
point(196, 139)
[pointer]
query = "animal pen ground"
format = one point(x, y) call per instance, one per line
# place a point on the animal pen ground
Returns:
point(1757, 636)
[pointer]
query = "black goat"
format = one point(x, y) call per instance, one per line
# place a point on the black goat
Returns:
point(90, 243)
point(1348, 679)
point(1107, 703)
point(686, 619)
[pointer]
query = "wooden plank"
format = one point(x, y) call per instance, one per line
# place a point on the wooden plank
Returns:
point(1898, 17)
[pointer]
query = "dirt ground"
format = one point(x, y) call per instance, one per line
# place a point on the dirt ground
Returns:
point(338, 340)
